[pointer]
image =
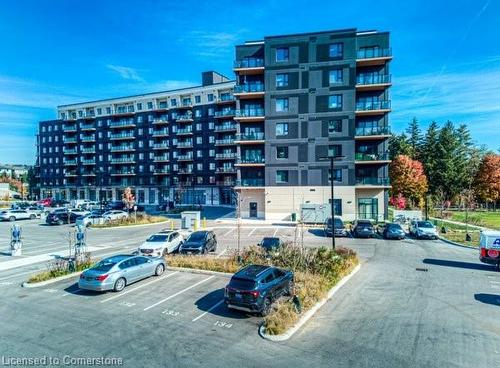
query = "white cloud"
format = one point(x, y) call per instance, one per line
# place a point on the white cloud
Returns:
point(212, 44)
point(125, 72)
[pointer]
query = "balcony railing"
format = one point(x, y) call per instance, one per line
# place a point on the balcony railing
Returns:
point(223, 156)
point(87, 138)
point(226, 183)
point(88, 150)
point(165, 170)
point(161, 158)
point(226, 98)
point(70, 162)
point(372, 181)
point(249, 88)
point(185, 117)
point(187, 130)
point(373, 105)
point(223, 113)
point(185, 158)
point(225, 127)
point(372, 53)
point(160, 146)
point(122, 136)
point(368, 131)
point(88, 173)
point(187, 144)
point(70, 151)
point(123, 160)
point(250, 183)
point(125, 147)
point(123, 172)
point(69, 140)
point(247, 113)
point(224, 141)
point(367, 79)
point(252, 160)
point(88, 162)
point(160, 120)
point(256, 136)
point(90, 126)
point(70, 173)
point(225, 170)
point(122, 123)
point(185, 171)
point(371, 156)
point(69, 128)
point(249, 63)
point(159, 133)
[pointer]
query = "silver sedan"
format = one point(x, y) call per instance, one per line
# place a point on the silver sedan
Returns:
point(116, 272)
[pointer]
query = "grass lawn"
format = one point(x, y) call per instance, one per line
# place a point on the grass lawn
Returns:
point(486, 219)
point(456, 233)
point(132, 220)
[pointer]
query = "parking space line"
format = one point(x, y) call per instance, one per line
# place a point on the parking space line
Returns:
point(209, 310)
point(178, 293)
point(251, 232)
point(229, 232)
point(275, 231)
point(138, 287)
point(18, 274)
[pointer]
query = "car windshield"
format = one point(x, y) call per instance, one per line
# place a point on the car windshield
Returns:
point(242, 284)
point(157, 238)
point(364, 225)
point(104, 266)
point(270, 243)
point(425, 224)
point(195, 237)
point(394, 227)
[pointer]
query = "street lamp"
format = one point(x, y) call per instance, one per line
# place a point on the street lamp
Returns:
point(332, 159)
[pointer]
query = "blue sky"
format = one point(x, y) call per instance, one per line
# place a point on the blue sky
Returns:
point(446, 54)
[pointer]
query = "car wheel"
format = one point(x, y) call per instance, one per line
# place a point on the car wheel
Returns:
point(159, 270)
point(32, 217)
point(119, 285)
point(60, 222)
point(266, 307)
point(12, 218)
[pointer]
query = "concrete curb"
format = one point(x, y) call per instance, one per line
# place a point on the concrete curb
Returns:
point(444, 240)
point(127, 226)
point(51, 281)
point(198, 271)
point(307, 315)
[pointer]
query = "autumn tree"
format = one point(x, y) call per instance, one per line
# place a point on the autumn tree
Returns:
point(408, 179)
point(487, 179)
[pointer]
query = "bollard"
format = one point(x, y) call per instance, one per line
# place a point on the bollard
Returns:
point(195, 227)
point(171, 225)
point(204, 223)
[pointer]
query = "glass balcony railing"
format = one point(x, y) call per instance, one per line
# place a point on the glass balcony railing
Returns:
point(185, 171)
point(373, 105)
point(88, 150)
point(225, 127)
point(69, 140)
point(70, 162)
point(368, 131)
point(185, 117)
point(255, 136)
point(225, 170)
point(187, 130)
point(87, 138)
point(122, 136)
point(122, 160)
point(70, 151)
point(368, 79)
point(161, 132)
point(123, 172)
point(164, 170)
point(222, 113)
point(87, 126)
point(161, 158)
point(70, 173)
point(249, 88)
point(225, 98)
point(247, 113)
point(249, 63)
point(223, 156)
point(372, 181)
point(371, 156)
point(250, 183)
point(127, 147)
point(122, 123)
point(184, 157)
point(69, 128)
point(160, 146)
point(186, 144)
point(160, 120)
point(224, 141)
point(88, 162)
point(371, 53)
point(252, 160)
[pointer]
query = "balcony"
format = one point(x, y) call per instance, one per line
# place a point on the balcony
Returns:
point(186, 131)
point(185, 104)
point(372, 82)
point(225, 170)
point(225, 99)
point(88, 115)
point(88, 162)
point(251, 90)
point(160, 133)
point(368, 133)
point(373, 182)
point(88, 150)
point(185, 157)
point(364, 108)
point(88, 126)
point(68, 151)
point(372, 158)
point(161, 158)
point(250, 183)
point(250, 138)
point(186, 118)
point(251, 161)
point(122, 136)
point(225, 183)
point(249, 66)
point(227, 113)
point(162, 171)
point(224, 142)
point(250, 115)
point(69, 140)
point(70, 173)
point(88, 173)
point(123, 173)
point(160, 121)
point(70, 162)
point(225, 156)
point(129, 123)
point(373, 56)
point(160, 146)
point(122, 148)
point(225, 128)
point(185, 171)
point(69, 128)
point(186, 144)
point(123, 160)
point(88, 138)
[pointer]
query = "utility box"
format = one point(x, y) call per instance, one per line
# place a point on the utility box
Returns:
point(314, 213)
point(190, 220)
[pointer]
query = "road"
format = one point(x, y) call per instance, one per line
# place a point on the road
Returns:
point(412, 304)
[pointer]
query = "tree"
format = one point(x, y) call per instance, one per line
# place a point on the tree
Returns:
point(398, 145)
point(428, 154)
point(487, 179)
point(408, 179)
point(414, 139)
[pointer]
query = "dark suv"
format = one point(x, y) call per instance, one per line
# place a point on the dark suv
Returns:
point(363, 229)
point(255, 287)
point(200, 242)
point(59, 217)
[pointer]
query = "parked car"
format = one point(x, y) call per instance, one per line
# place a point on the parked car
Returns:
point(115, 205)
point(14, 215)
point(116, 272)
point(271, 244)
point(61, 216)
point(79, 212)
point(115, 215)
point(161, 243)
point(59, 203)
point(363, 229)
point(90, 219)
point(423, 229)
point(336, 227)
point(391, 231)
point(46, 202)
point(255, 287)
point(200, 242)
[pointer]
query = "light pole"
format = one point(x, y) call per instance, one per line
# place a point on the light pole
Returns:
point(332, 158)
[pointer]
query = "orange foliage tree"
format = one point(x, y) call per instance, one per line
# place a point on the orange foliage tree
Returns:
point(487, 181)
point(408, 179)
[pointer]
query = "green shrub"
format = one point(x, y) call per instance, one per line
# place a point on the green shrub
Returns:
point(141, 219)
point(60, 267)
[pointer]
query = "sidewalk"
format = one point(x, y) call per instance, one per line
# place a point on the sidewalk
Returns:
point(460, 223)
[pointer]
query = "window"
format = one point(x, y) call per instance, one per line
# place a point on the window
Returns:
point(108, 110)
point(150, 105)
point(199, 167)
point(139, 119)
point(336, 50)
point(334, 126)
point(281, 104)
point(199, 140)
point(211, 111)
point(282, 152)
point(281, 176)
point(335, 102)
point(282, 54)
point(197, 113)
point(282, 80)
point(139, 106)
point(211, 125)
point(197, 99)
point(99, 111)
point(281, 129)
point(210, 97)
point(337, 175)
point(335, 76)
point(173, 102)
point(335, 150)
point(199, 153)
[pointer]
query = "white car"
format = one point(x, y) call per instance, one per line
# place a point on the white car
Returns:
point(79, 212)
point(13, 215)
point(90, 219)
point(423, 229)
point(115, 215)
point(160, 244)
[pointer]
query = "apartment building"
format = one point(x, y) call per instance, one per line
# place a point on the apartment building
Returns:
point(262, 138)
